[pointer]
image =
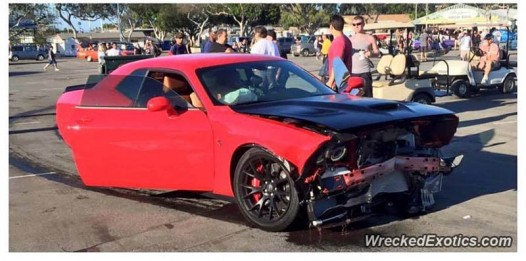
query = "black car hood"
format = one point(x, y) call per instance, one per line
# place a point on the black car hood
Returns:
point(342, 111)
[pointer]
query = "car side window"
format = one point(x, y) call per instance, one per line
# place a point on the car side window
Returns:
point(173, 86)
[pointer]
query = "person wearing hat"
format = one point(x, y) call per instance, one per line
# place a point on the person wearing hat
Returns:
point(179, 47)
point(491, 58)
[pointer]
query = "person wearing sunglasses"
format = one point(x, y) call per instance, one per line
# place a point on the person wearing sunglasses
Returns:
point(364, 46)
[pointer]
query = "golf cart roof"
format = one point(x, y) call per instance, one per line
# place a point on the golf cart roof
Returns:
point(388, 25)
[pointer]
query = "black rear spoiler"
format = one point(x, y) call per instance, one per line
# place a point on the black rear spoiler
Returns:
point(90, 83)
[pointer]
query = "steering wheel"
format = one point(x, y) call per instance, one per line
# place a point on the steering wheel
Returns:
point(477, 51)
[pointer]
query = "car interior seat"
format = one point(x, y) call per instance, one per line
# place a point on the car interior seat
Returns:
point(178, 85)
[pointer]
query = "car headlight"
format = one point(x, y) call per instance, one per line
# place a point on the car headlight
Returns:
point(337, 153)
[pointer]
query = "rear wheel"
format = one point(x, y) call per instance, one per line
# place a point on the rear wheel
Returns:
point(305, 52)
point(422, 98)
point(461, 88)
point(40, 57)
point(508, 85)
point(265, 191)
point(14, 58)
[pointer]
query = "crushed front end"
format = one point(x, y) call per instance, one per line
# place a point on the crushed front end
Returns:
point(360, 171)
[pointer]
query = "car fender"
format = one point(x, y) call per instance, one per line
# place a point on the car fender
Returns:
point(293, 143)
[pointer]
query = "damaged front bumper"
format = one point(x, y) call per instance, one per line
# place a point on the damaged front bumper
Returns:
point(347, 195)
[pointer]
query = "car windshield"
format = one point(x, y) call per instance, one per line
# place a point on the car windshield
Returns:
point(255, 82)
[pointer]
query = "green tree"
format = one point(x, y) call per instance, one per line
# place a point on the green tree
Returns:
point(308, 17)
point(84, 12)
point(242, 14)
point(37, 13)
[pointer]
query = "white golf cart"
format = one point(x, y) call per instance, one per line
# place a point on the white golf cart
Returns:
point(463, 79)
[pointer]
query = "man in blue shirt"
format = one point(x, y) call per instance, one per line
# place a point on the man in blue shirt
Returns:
point(212, 37)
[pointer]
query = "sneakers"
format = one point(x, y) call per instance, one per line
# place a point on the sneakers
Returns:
point(484, 80)
point(56, 70)
point(45, 69)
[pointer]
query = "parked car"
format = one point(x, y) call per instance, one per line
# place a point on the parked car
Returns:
point(285, 43)
point(28, 52)
point(88, 51)
point(305, 46)
point(125, 48)
point(260, 129)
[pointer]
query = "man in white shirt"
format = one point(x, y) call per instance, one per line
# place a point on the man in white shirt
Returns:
point(465, 45)
point(114, 51)
point(263, 45)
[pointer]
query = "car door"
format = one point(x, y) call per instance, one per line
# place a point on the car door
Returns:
point(119, 142)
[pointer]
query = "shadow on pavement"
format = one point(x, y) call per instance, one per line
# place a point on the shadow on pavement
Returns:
point(14, 74)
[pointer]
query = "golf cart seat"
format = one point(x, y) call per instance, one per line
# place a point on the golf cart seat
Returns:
point(392, 66)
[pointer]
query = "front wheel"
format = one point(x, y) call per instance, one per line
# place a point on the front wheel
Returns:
point(461, 89)
point(305, 52)
point(508, 85)
point(14, 58)
point(40, 57)
point(265, 191)
point(422, 98)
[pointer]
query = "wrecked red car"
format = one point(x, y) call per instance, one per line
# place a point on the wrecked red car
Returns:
point(257, 128)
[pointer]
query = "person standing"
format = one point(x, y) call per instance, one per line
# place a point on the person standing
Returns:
point(364, 46)
point(179, 47)
point(424, 46)
point(114, 51)
point(465, 45)
point(325, 46)
point(341, 47)
point(212, 37)
point(52, 60)
point(262, 45)
point(220, 45)
point(137, 50)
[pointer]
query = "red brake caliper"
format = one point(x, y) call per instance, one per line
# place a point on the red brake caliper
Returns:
point(256, 183)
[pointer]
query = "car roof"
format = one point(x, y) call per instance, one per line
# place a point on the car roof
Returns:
point(194, 61)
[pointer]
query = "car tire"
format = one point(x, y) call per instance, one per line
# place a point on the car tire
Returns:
point(508, 85)
point(265, 191)
point(305, 52)
point(40, 57)
point(88, 58)
point(423, 98)
point(15, 58)
point(461, 88)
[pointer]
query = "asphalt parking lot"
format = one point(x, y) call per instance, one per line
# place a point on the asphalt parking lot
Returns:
point(50, 210)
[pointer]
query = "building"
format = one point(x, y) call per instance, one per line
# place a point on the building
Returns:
point(66, 45)
point(373, 19)
point(462, 15)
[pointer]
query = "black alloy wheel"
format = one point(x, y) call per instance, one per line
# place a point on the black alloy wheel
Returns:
point(265, 191)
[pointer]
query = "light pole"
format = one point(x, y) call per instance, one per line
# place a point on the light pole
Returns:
point(119, 22)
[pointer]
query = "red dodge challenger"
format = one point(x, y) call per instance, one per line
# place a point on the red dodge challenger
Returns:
point(260, 129)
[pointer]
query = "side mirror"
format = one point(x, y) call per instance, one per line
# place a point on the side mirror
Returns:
point(160, 103)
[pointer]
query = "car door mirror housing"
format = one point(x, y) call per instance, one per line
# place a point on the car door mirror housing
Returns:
point(159, 104)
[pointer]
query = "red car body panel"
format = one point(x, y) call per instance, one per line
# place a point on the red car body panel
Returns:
point(119, 154)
